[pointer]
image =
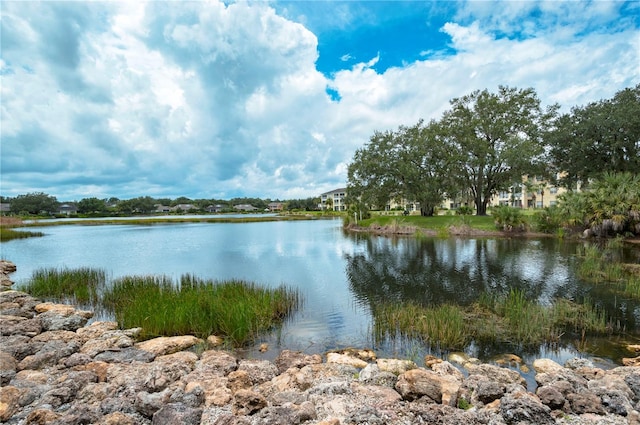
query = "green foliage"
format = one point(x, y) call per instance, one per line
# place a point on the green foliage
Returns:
point(598, 265)
point(236, 310)
point(609, 206)
point(442, 326)
point(409, 163)
point(548, 220)
point(34, 203)
point(464, 210)
point(512, 318)
point(10, 234)
point(139, 205)
point(92, 205)
point(508, 219)
point(494, 139)
point(79, 285)
point(600, 137)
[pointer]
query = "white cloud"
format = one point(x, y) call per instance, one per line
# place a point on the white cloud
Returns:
point(204, 99)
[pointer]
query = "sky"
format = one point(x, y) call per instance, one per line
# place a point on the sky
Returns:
point(270, 99)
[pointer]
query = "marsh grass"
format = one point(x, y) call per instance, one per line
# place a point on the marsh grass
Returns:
point(7, 234)
point(236, 310)
point(442, 326)
point(81, 285)
point(599, 265)
point(511, 318)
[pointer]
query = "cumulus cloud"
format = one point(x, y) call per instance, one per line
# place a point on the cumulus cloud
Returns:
point(207, 99)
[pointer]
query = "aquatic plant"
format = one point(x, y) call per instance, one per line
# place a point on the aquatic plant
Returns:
point(235, 309)
point(80, 285)
point(511, 318)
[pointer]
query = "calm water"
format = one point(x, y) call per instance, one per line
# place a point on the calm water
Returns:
point(339, 275)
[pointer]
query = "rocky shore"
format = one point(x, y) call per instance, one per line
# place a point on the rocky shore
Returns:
point(56, 368)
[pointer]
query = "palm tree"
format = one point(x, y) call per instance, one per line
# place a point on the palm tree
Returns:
point(329, 203)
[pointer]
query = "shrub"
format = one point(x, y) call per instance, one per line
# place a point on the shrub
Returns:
point(508, 218)
point(548, 220)
point(464, 210)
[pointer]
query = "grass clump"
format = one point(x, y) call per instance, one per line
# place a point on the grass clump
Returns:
point(442, 326)
point(599, 265)
point(512, 318)
point(78, 285)
point(7, 231)
point(236, 310)
point(10, 234)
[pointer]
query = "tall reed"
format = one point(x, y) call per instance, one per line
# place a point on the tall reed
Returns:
point(80, 285)
point(236, 310)
point(442, 326)
point(10, 234)
point(511, 318)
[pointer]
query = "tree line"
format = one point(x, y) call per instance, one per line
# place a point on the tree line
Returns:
point(486, 142)
point(38, 203)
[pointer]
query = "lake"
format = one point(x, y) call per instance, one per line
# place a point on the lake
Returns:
point(339, 275)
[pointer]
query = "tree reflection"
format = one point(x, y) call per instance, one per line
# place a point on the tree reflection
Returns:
point(432, 271)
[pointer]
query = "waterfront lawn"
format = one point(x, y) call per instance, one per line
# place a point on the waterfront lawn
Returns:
point(438, 223)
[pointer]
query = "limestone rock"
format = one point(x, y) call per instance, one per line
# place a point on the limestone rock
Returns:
point(168, 345)
point(288, 359)
point(247, 402)
point(346, 360)
point(175, 413)
point(8, 366)
point(10, 397)
point(395, 366)
point(522, 408)
point(418, 383)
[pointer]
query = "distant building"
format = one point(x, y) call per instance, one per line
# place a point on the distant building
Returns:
point(334, 200)
point(161, 208)
point(68, 209)
point(245, 207)
point(275, 206)
point(183, 208)
point(5, 208)
point(218, 208)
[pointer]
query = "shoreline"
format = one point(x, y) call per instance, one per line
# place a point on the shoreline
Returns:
point(55, 368)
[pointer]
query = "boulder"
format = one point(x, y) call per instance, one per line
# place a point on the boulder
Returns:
point(168, 345)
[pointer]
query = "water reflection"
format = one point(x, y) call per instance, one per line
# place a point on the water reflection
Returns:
point(436, 271)
point(431, 272)
point(341, 276)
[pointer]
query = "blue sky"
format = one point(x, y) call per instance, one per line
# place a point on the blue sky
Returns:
point(270, 99)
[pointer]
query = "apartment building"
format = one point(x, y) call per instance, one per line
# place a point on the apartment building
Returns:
point(334, 200)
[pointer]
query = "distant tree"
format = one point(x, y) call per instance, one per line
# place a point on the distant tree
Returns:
point(141, 204)
point(410, 163)
point(181, 200)
point(495, 139)
point(92, 205)
point(601, 137)
point(256, 202)
point(301, 204)
point(164, 201)
point(34, 203)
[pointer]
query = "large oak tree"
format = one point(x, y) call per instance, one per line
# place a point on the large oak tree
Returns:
point(601, 137)
point(407, 164)
point(495, 139)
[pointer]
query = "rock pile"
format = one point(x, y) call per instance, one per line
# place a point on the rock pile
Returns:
point(57, 369)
